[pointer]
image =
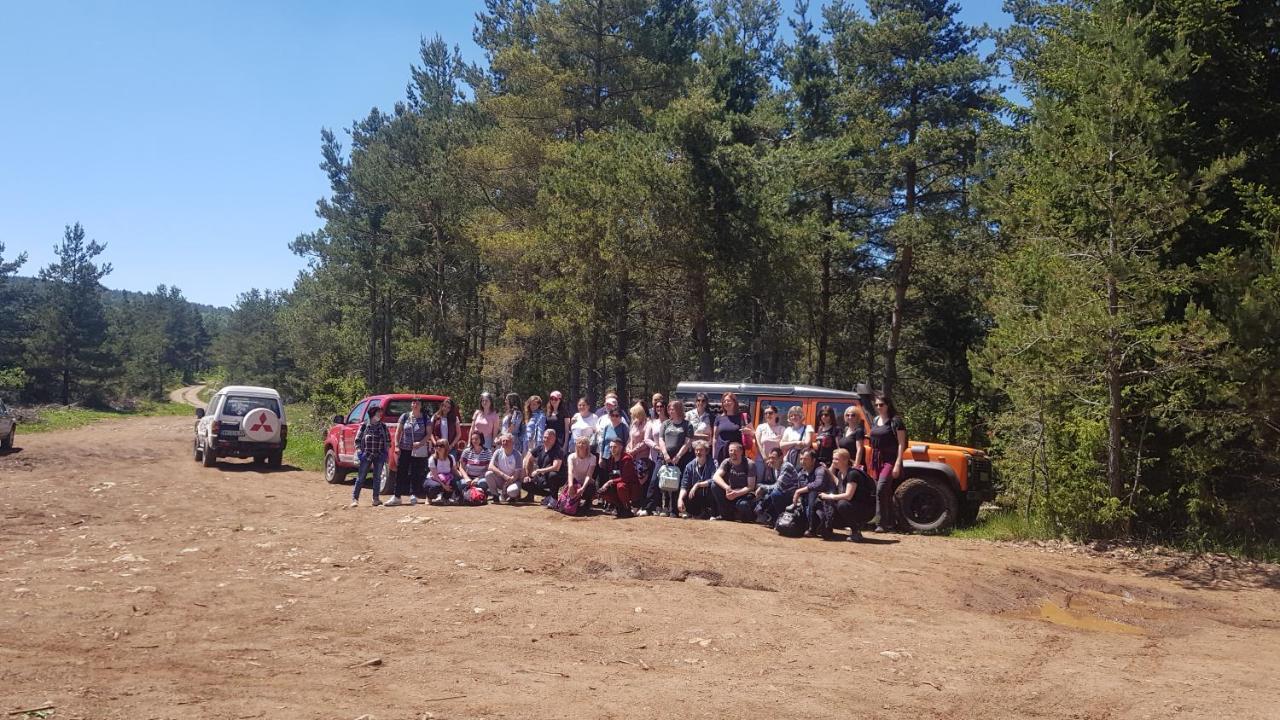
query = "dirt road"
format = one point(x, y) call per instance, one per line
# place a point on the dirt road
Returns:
point(136, 584)
point(188, 395)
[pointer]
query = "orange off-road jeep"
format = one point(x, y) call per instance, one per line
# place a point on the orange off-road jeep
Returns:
point(941, 485)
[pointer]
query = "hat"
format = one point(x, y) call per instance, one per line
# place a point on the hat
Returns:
point(556, 394)
point(611, 402)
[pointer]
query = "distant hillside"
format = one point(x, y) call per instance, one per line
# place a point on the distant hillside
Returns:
point(25, 285)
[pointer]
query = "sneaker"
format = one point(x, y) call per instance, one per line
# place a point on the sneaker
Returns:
point(880, 529)
point(642, 513)
point(624, 513)
point(392, 502)
point(716, 517)
point(377, 502)
point(855, 536)
point(354, 503)
point(413, 499)
point(673, 514)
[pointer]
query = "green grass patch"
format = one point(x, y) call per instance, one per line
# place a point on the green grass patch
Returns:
point(305, 450)
point(56, 417)
point(1006, 525)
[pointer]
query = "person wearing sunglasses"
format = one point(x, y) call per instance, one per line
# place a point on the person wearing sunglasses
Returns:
point(699, 416)
point(768, 438)
point(888, 446)
point(613, 427)
point(824, 437)
point(797, 437)
point(854, 434)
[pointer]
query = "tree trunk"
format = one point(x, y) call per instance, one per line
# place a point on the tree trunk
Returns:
point(620, 380)
point(824, 317)
point(901, 280)
point(701, 334)
point(593, 357)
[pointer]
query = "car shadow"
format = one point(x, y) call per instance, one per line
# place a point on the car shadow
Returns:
point(250, 467)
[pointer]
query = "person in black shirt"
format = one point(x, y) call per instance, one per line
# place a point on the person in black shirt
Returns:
point(852, 500)
point(853, 435)
point(824, 436)
point(734, 487)
point(888, 445)
point(544, 468)
point(558, 419)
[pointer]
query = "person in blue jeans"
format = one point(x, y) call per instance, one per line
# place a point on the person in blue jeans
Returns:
point(372, 443)
point(812, 479)
point(781, 481)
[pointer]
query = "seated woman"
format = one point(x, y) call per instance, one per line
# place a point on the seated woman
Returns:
point(544, 468)
point(474, 462)
point(695, 483)
point(579, 488)
point(443, 483)
point(616, 473)
point(853, 503)
point(733, 487)
point(505, 472)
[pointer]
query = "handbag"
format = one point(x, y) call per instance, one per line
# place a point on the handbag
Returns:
point(748, 441)
point(669, 478)
point(791, 522)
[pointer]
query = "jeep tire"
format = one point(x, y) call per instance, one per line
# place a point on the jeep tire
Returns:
point(196, 451)
point(6, 442)
point(926, 505)
point(210, 458)
point(333, 473)
point(274, 459)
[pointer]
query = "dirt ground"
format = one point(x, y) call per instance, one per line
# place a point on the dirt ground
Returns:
point(136, 584)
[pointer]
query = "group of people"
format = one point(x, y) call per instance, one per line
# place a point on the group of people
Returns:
point(661, 458)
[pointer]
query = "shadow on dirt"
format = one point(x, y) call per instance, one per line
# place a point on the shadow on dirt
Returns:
point(250, 467)
point(1210, 572)
point(10, 451)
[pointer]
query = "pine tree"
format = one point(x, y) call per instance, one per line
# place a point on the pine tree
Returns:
point(70, 324)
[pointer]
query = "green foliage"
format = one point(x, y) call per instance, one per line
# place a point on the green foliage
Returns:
point(50, 418)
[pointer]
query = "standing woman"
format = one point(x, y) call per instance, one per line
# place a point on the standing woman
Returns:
point(535, 423)
point(699, 416)
point(824, 437)
point(415, 448)
point(445, 424)
point(658, 408)
point(797, 437)
point(640, 448)
point(729, 427)
point(768, 436)
point(485, 420)
point(854, 434)
point(558, 418)
point(583, 425)
point(888, 446)
point(513, 422)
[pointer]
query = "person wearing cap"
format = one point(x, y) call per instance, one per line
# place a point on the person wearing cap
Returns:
point(614, 427)
point(485, 420)
point(558, 418)
point(602, 415)
point(616, 475)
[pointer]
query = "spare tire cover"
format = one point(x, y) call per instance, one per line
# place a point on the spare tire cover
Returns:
point(260, 425)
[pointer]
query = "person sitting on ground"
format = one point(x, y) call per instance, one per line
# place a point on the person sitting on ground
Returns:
point(372, 441)
point(475, 460)
point(811, 478)
point(505, 471)
point(616, 473)
point(853, 503)
point(443, 484)
point(734, 487)
point(819, 491)
point(781, 481)
point(580, 487)
point(695, 483)
point(544, 468)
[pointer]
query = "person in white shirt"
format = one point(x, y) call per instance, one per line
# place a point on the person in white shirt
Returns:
point(583, 425)
point(796, 437)
point(768, 436)
point(505, 471)
point(602, 415)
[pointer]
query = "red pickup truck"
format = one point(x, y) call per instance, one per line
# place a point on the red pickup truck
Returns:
point(340, 442)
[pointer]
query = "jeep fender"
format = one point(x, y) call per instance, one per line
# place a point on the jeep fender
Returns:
point(916, 468)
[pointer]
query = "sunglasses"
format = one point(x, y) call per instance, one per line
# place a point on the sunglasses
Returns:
point(881, 405)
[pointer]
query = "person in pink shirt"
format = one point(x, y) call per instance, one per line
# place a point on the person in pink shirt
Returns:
point(485, 420)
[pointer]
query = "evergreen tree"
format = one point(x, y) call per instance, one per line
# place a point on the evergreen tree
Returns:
point(12, 309)
point(69, 323)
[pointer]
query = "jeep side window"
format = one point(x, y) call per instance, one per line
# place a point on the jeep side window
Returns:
point(357, 413)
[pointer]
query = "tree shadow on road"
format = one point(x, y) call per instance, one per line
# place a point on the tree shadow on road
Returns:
point(1211, 572)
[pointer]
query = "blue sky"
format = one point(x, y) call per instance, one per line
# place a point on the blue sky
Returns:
point(186, 135)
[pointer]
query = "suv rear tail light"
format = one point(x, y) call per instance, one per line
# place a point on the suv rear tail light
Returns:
point(217, 426)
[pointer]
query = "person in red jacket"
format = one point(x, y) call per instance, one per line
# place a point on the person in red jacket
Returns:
point(616, 474)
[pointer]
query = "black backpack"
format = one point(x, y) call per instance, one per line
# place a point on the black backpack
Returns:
point(792, 522)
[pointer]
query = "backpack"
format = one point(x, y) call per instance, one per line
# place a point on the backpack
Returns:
point(669, 478)
point(791, 523)
point(474, 496)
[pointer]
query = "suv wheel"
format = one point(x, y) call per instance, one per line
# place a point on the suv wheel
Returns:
point(274, 459)
point(210, 458)
point(926, 504)
point(7, 442)
point(196, 451)
point(333, 473)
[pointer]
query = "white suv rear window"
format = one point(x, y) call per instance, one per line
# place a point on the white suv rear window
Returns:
point(240, 405)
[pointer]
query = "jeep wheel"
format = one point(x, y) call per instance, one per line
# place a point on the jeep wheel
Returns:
point(259, 460)
point(332, 472)
point(274, 459)
point(195, 444)
point(385, 482)
point(926, 505)
point(210, 458)
point(7, 442)
point(969, 513)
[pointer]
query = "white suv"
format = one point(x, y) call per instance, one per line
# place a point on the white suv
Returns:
point(242, 421)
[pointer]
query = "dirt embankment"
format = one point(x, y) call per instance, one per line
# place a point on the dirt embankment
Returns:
point(134, 583)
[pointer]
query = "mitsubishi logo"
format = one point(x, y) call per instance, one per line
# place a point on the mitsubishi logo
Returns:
point(261, 424)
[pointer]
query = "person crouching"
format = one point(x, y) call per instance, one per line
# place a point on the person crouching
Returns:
point(619, 484)
point(734, 487)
